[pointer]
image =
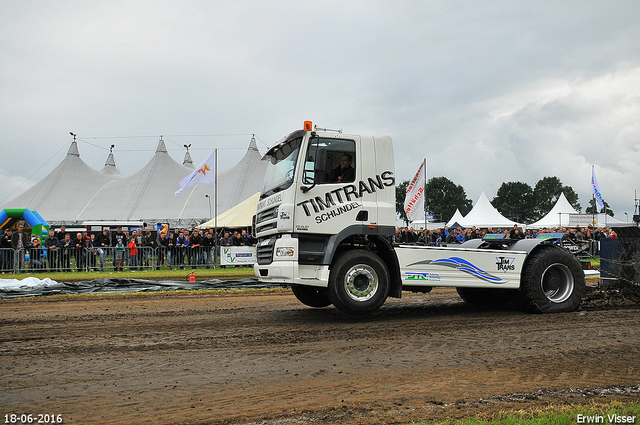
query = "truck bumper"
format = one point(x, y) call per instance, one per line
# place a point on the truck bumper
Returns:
point(290, 272)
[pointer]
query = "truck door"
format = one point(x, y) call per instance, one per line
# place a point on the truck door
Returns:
point(328, 200)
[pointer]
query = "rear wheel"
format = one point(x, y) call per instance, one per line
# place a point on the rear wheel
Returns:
point(552, 281)
point(358, 282)
point(312, 296)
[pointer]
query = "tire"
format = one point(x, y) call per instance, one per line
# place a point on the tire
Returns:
point(358, 282)
point(482, 297)
point(552, 282)
point(312, 296)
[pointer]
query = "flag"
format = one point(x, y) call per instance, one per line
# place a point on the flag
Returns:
point(596, 191)
point(205, 173)
point(414, 197)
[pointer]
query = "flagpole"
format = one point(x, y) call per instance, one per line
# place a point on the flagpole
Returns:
point(424, 194)
point(215, 212)
point(593, 196)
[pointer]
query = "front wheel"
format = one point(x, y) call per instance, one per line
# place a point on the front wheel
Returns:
point(358, 282)
point(552, 282)
point(311, 295)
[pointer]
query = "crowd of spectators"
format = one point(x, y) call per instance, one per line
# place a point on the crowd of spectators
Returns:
point(459, 235)
point(119, 249)
point(180, 247)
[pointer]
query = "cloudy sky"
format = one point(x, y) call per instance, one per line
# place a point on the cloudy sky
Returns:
point(489, 92)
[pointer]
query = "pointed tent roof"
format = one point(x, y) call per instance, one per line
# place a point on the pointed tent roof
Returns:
point(558, 216)
point(457, 218)
point(484, 214)
point(110, 166)
point(64, 190)
point(144, 195)
point(74, 192)
point(187, 161)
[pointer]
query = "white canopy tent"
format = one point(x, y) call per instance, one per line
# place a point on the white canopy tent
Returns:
point(74, 192)
point(457, 218)
point(557, 217)
point(484, 215)
point(240, 215)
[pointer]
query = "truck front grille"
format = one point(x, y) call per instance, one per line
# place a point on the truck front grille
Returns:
point(264, 250)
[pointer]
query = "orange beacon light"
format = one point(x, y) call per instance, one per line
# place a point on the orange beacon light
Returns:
point(308, 126)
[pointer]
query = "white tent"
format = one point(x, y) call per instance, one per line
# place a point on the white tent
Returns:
point(239, 216)
point(74, 192)
point(558, 216)
point(457, 218)
point(485, 215)
point(66, 189)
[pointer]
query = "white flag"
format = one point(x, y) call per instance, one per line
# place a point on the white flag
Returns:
point(205, 173)
point(414, 197)
point(596, 191)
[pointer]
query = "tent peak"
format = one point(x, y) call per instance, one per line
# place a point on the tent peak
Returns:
point(73, 149)
point(188, 162)
point(252, 144)
point(161, 146)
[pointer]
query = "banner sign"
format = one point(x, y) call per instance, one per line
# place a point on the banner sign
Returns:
point(237, 255)
point(414, 197)
point(582, 220)
point(596, 191)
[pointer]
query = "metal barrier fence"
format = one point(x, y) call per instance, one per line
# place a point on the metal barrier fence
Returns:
point(34, 260)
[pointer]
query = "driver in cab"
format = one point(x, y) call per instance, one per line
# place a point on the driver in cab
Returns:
point(345, 172)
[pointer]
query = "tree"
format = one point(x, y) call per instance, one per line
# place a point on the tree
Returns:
point(547, 192)
point(591, 209)
point(443, 197)
point(401, 190)
point(515, 201)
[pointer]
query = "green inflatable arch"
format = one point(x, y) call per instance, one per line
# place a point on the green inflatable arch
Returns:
point(9, 216)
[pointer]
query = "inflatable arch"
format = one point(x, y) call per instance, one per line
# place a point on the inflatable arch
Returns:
point(9, 216)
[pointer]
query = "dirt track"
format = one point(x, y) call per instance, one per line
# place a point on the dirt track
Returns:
point(232, 358)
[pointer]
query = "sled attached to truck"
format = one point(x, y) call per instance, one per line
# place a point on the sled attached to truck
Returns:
point(326, 231)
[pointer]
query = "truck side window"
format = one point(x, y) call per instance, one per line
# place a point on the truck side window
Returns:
point(330, 161)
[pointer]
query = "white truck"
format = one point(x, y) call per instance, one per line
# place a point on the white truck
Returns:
point(331, 238)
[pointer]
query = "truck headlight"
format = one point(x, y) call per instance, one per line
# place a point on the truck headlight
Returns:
point(284, 252)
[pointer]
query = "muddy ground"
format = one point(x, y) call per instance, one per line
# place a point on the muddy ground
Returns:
point(264, 358)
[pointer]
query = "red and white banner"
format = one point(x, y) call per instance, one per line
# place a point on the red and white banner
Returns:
point(414, 197)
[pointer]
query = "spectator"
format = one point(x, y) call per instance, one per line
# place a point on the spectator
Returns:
point(171, 250)
point(36, 256)
point(161, 247)
point(66, 248)
point(51, 245)
point(207, 248)
point(6, 253)
point(118, 255)
point(19, 243)
point(102, 244)
point(133, 253)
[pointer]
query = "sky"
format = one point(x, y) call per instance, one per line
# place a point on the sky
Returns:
point(489, 92)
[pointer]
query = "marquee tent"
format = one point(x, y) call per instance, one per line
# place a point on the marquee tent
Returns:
point(485, 215)
point(557, 217)
point(457, 218)
point(65, 191)
point(240, 215)
point(74, 192)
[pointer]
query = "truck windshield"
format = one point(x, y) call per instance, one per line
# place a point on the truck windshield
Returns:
point(281, 168)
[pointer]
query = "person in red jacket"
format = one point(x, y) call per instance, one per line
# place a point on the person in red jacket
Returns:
point(133, 253)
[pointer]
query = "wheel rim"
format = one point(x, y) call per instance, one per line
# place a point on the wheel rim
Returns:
point(557, 283)
point(361, 282)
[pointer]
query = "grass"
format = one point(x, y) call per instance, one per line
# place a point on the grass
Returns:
point(553, 414)
point(161, 274)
